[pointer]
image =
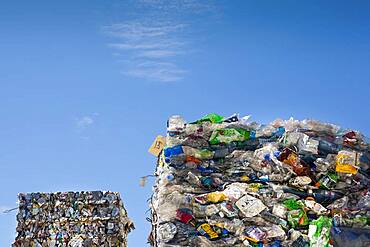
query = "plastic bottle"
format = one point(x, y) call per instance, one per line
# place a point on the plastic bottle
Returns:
point(175, 150)
point(198, 153)
point(166, 178)
point(166, 231)
point(274, 219)
point(326, 147)
point(175, 123)
point(291, 158)
point(320, 196)
point(192, 179)
point(325, 196)
point(271, 178)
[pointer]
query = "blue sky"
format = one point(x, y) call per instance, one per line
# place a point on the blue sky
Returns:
point(85, 86)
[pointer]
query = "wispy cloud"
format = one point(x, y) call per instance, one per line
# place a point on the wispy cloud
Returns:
point(152, 49)
point(187, 6)
point(153, 42)
point(84, 122)
point(84, 125)
point(155, 70)
point(159, 53)
point(147, 45)
point(137, 31)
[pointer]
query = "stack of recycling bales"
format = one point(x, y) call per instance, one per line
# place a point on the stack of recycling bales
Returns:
point(72, 219)
point(232, 182)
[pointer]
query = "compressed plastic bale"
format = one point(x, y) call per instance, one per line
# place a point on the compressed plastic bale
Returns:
point(226, 181)
point(73, 219)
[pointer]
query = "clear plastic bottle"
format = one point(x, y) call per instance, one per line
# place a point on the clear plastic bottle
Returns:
point(176, 123)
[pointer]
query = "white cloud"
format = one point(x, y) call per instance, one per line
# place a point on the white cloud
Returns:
point(139, 30)
point(156, 34)
point(84, 122)
point(159, 71)
point(147, 45)
point(158, 53)
point(187, 6)
point(151, 48)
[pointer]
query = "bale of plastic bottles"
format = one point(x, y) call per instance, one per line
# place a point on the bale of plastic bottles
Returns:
point(73, 219)
point(233, 182)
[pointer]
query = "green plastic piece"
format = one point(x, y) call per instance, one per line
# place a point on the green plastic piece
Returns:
point(320, 231)
point(293, 204)
point(229, 135)
point(329, 180)
point(297, 218)
point(204, 154)
point(211, 117)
